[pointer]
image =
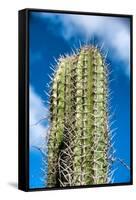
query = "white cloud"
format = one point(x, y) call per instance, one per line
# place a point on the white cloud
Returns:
point(113, 31)
point(38, 111)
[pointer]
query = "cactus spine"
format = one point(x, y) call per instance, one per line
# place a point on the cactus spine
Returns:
point(78, 140)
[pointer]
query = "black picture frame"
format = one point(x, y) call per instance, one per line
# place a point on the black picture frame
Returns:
point(23, 108)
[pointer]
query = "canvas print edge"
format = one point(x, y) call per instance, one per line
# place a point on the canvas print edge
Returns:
point(23, 100)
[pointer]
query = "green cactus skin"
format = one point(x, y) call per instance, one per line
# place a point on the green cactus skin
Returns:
point(78, 140)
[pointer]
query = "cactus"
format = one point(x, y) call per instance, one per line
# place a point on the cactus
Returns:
point(78, 142)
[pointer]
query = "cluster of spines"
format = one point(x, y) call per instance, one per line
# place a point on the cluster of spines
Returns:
point(78, 144)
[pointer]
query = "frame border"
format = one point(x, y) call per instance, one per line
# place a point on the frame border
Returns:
point(23, 100)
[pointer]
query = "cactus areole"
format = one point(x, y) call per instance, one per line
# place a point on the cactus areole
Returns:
point(78, 140)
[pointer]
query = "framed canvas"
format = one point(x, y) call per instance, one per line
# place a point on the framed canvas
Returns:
point(75, 99)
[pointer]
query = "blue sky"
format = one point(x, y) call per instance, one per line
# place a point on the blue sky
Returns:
point(52, 35)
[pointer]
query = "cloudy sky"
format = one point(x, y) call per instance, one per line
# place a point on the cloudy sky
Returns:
point(52, 35)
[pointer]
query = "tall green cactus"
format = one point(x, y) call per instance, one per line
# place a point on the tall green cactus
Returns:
point(78, 140)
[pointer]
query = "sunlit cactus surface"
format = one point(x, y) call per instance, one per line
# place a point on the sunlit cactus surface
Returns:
point(78, 144)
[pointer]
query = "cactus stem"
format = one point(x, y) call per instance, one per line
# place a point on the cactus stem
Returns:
point(79, 141)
